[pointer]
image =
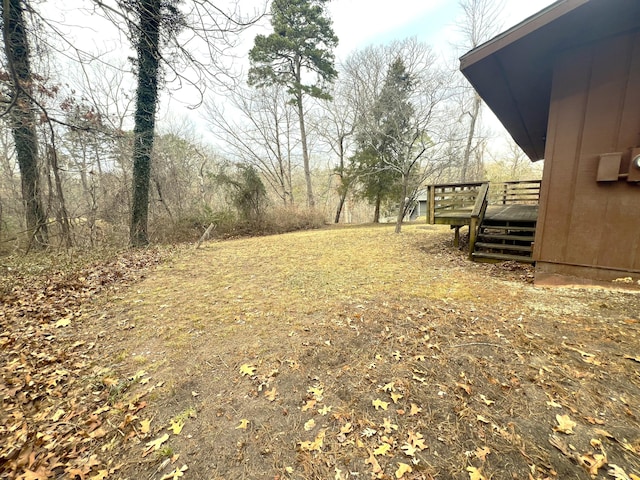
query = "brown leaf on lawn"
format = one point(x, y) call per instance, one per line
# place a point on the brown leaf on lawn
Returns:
point(388, 426)
point(618, 473)
point(402, 469)
point(465, 387)
point(565, 424)
point(415, 410)
point(177, 473)
point(145, 425)
point(383, 449)
point(592, 463)
point(243, 424)
point(315, 445)
point(635, 359)
point(475, 474)
point(270, 394)
point(247, 369)
point(155, 444)
point(41, 474)
point(379, 404)
point(481, 453)
point(375, 466)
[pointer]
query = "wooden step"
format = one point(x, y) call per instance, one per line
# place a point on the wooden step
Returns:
point(480, 256)
point(503, 236)
point(509, 227)
point(504, 246)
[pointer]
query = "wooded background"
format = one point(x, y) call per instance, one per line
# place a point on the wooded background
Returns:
point(302, 139)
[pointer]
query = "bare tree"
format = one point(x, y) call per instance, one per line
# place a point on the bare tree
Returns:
point(258, 130)
point(479, 24)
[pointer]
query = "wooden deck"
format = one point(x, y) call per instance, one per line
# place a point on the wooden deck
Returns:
point(501, 217)
point(512, 213)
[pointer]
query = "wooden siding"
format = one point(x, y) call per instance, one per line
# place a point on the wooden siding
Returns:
point(595, 109)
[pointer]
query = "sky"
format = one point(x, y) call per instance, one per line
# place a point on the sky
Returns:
point(357, 23)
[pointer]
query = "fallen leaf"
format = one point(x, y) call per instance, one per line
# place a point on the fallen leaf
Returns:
point(388, 426)
point(177, 473)
point(309, 405)
point(270, 394)
point(486, 400)
point(145, 426)
point(415, 409)
point(635, 359)
point(310, 425)
point(475, 474)
point(396, 396)
point(375, 466)
point(417, 440)
point(593, 463)
point(243, 424)
point(316, 392)
point(346, 428)
point(155, 444)
point(63, 322)
point(316, 444)
point(565, 424)
point(41, 474)
point(389, 387)
point(618, 473)
point(483, 419)
point(247, 369)
point(324, 410)
point(409, 450)
point(176, 426)
point(379, 404)
point(382, 449)
point(481, 453)
point(101, 475)
point(402, 469)
point(465, 387)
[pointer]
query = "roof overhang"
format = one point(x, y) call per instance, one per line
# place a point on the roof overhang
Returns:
point(513, 72)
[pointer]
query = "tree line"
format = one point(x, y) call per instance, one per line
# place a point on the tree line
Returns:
point(82, 155)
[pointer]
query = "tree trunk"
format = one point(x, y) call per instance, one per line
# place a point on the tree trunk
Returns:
point(62, 216)
point(343, 197)
point(376, 211)
point(23, 118)
point(311, 203)
point(146, 99)
point(477, 103)
point(403, 200)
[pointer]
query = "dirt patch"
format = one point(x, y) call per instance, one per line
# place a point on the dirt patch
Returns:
point(356, 353)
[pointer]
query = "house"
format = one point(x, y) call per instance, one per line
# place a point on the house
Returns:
point(566, 85)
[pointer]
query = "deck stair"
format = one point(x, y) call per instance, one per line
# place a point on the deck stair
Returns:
point(501, 217)
point(505, 240)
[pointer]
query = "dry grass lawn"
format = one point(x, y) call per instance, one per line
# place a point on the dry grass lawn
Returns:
point(354, 353)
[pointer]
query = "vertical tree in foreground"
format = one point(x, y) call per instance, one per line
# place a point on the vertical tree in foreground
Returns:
point(147, 35)
point(301, 44)
point(21, 111)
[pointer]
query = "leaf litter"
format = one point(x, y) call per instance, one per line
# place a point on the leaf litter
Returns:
point(323, 329)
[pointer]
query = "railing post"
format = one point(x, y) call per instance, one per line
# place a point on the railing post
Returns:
point(477, 216)
point(431, 204)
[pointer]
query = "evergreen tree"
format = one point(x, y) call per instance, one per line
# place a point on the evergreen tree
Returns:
point(301, 44)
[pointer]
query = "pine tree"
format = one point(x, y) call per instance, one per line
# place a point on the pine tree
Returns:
point(301, 43)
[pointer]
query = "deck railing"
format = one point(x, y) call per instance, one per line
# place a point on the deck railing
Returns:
point(451, 199)
point(519, 192)
point(477, 216)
